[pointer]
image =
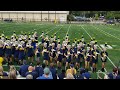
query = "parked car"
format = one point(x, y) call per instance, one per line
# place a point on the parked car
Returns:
point(8, 20)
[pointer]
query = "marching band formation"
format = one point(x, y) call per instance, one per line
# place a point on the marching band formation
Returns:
point(51, 49)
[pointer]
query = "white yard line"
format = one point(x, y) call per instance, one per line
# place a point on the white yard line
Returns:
point(108, 57)
point(86, 31)
point(68, 29)
point(112, 28)
point(50, 30)
point(106, 33)
point(59, 30)
point(90, 37)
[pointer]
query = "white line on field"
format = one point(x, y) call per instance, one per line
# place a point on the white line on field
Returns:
point(51, 30)
point(91, 37)
point(107, 56)
point(86, 32)
point(68, 29)
point(112, 28)
point(106, 32)
point(59, 30)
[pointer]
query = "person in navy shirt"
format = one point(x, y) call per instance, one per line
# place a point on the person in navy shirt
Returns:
point(53, 71)
point(62, 75)
point(39, 69)
point(23, 68)
point(32, 72)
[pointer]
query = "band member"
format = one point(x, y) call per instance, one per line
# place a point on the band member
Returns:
point(95, 54)
point(59, 57)
point(21, 56)
point(68, 55)
point(36, 35)
point(53, 53)
point(8, 53)
point(88, 56)
point(58, 40)
point(1, 49)
point(82, 39)
point(45, 54)
point(51, 39)
point(13, 50)
point(37, 53)
point(104, 55)
point(16, 54)
point(30, 52)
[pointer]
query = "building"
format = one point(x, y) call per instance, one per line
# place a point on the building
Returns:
point(34, 15)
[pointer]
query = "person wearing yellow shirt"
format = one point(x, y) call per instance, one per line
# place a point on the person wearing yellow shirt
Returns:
point(72, 70)
point(1, 60)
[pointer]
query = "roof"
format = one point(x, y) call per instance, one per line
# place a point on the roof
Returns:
point(62, 12)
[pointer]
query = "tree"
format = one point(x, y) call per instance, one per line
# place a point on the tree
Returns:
point(70, 17)
point(96, 16)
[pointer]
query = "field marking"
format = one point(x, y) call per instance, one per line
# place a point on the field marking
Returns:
point(108, 57)
point(50, 30)
point(108, 46)
point(59, 29)
point(68, 29)
point(106, 33)
point(86, 31)
point(41, 27)
point(112, 28)
point(91, 37)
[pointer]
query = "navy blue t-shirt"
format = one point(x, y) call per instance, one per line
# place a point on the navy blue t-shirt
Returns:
point(23, 70)
point(54, 72)
point(61, 76)
point(39, 71)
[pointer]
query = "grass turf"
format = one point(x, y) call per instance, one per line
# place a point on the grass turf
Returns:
point(102, 33)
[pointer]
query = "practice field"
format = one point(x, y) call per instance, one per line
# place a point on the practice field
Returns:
point(109, 34)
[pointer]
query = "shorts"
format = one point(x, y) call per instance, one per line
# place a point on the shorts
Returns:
point(77, 60)
point(46, 58)
point(68, 60)
point(30, 54)
point(59, 59)
point(8, 55)
point(16, 55)
point(21, 57)
point(104, 60)
point(88, 59)
point(38, 55)
point(94, 61)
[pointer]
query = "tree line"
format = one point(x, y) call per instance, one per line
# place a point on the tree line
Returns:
point(94, 14)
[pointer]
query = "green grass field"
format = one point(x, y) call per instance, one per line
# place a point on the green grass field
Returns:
point(102, 33)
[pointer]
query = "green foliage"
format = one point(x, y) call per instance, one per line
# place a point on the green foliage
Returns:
point(96, 16)
point(70, 17)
